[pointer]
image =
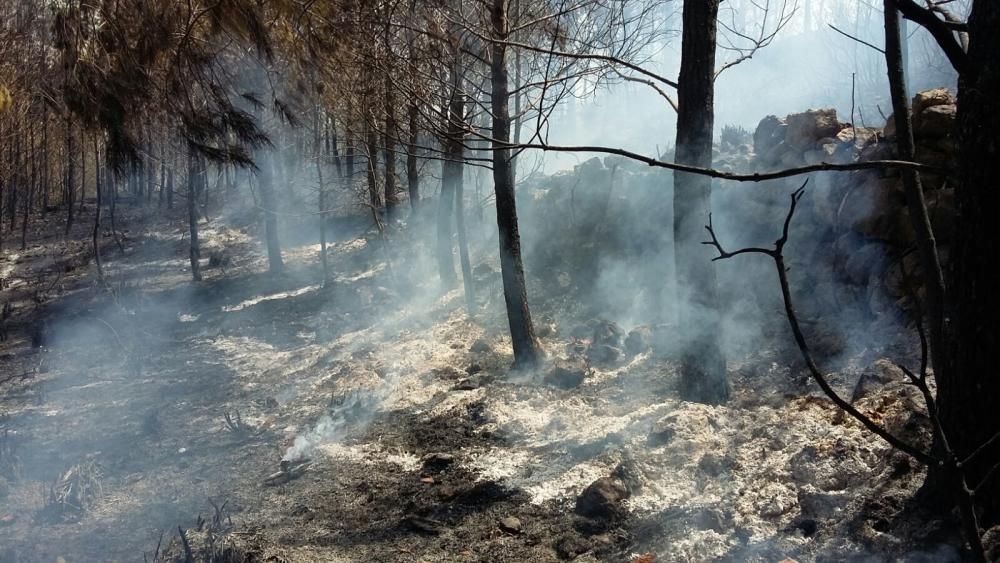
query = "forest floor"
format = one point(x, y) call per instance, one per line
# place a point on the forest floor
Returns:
point(424, 446)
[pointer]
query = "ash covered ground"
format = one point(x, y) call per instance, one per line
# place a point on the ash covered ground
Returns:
point(130, 409)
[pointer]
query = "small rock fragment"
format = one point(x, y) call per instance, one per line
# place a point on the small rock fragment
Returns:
point(468, 384)
point(571, 546)
point(638, 340)
point(602, 499)
point(480, 346)
point(510, 524)
point(437, 461)
point(565, 377)
point(604, 354)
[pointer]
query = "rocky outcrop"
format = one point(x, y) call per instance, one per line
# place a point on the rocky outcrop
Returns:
point(863, 214)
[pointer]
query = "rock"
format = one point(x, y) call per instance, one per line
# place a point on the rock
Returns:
point(792, 158)
point(889, 131)
point(714, 464)
point(628, 473)
point(935, 122)
point(807, 526)
point(805, 128)
point(709, 519)
point(480, 346)
point(473, 369)
point(422, 525)
point(857, 136)
point(571, 546)
point(639, 340)
point(604, 354)
point(943, 213)
point(468, 384)
point(510, 524)
point(829, 467)
point(818, 504)
point(565, 377)
point(663, 432)
point(770, 132)
point(866, 385)
point(609, 333)
point(932, 98)
point(447, 372)
point(544, 330)
point(602, 499)
point(437, 461)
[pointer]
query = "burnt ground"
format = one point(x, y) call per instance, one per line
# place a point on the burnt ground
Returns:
point(153, 403)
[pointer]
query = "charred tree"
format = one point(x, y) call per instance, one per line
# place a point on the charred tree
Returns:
point(195, 174)
point(451, 176)
point(968, 385)
point(527, 352)
point(265, 177)
point(389, 135)
point(97, 211)
point(703, 367)
point(70, 174)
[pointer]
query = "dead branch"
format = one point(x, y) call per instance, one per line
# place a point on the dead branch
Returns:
point(948, 462)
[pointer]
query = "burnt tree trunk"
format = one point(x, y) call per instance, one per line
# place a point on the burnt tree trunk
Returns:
point(70, 175)
point(527, 353)
point(349, 154)
point(389, 136)
point(703, 367)
point(265, 177)
point(320, 155)
point(968, 386)
point(371, 147)
point(170, 186)
point(413, 114)
point(97, 210)
point(451, 176)
point(463, 245)
point(194, 177)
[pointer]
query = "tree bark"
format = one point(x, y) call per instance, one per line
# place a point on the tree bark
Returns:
point(463, 246)
point(371, 146)
point(97, 212)
point(930, 265)
point(389, 136)
point(527, 353)
point(451, 176)
point(703, 366)
point(268, 202)
point(194, 173)
point(70, 175)
point(264, 159)
point(968, 386)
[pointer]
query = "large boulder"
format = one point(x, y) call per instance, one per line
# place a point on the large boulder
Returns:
point(602, 499)
point(770, 132)
point(935, 121)
point(805, 128)
point(931, 98)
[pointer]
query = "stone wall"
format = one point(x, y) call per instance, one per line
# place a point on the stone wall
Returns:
point(860, 218)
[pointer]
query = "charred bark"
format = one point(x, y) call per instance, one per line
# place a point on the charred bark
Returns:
point(968, 385)
point(703, 366)
point(527, 352)
point(194, 178)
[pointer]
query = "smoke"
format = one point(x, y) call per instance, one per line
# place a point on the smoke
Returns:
point(354, 410)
